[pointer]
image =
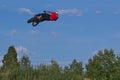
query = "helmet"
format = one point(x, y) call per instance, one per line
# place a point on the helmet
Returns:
point(56, 12)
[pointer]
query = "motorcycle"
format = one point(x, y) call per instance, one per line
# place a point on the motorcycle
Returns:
point(45, 16)
point(35, 20)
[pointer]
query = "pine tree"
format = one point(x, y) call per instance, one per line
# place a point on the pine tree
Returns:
point(25, 62)
point(10, 61)
point(10, 65)
point(74, 71)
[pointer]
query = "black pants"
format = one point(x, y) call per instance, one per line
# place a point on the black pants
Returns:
point(45, 17)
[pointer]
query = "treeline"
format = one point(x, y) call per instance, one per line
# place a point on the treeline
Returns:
point(104, 65)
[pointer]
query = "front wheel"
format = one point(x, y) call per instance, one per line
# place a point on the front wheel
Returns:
point(30, 20)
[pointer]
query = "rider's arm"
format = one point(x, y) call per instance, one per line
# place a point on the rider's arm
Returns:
point(37, 14)
point(48, 12)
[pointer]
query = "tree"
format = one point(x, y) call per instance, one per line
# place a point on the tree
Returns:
point(76, 67)
point(25, 68)
point(25, 62)
point(10, 64)
point(48, 72)
point(10, 61)
point(101, 66)
point(54, 70)
point(116, 69)
point(74, 71)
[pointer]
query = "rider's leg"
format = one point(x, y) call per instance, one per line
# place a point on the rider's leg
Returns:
point(46, 16)
point(39, 17)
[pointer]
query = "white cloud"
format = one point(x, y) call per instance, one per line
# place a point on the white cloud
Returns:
point(98, 12)
point(95, 52)
point(13, 32)
point(54, 34)
point(1, 63)
point(25, 10)
point(117, 12)
point(21, 49)
point(34, 32)
point(3, 6)
point(1, 58)
point(73, 11)
point(116, 35)
point(49, 5)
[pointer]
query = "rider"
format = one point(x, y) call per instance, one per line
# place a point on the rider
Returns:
point(46, 16)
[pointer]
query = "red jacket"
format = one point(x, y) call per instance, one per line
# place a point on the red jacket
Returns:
point(53, 16)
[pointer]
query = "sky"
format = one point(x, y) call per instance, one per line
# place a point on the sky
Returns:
point(84, 27)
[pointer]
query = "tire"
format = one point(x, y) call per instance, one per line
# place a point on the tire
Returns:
point(35, 23)
point(30, 20)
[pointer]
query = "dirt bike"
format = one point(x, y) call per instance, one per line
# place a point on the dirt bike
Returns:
point(45, 16)
point(35, 20)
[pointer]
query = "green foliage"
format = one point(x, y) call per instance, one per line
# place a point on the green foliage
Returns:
point(10, 61)
point(22, 70)
point(103, 66)
point(74, 71)
point(25, 62)
point(10, 64)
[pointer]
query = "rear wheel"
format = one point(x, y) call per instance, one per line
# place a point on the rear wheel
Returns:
point(34, 24)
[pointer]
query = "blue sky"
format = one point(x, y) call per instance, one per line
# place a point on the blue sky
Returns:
point(83, 28)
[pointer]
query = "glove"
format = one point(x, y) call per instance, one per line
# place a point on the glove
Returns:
point(45, 11)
